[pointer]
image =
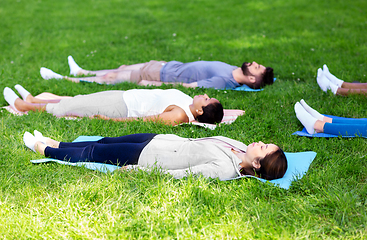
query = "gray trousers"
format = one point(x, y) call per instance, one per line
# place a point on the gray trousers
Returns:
point(107, 103)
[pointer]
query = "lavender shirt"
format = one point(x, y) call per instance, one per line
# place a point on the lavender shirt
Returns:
point(208, 74)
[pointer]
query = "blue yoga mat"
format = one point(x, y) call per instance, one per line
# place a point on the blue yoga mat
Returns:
point(304, 132)
point(248, 89)
point(298, 164)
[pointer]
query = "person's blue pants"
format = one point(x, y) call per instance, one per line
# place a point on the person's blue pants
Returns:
point(118, 151)
point(347, 127)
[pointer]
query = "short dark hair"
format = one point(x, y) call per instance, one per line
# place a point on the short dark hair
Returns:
point(273, 166)
point(267, 77)
point(212, 113)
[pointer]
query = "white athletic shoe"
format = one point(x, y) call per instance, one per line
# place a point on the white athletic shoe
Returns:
point(22, 91)
point(49, 74)
point(74, 68)
point(10, 96)
point(29, 140)
point(39, 137)
point(322, 80)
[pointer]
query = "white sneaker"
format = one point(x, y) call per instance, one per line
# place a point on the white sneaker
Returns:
point(74, 68)
point(39, 137)
point(49, 74)
point(29, 140)
point(10, 96)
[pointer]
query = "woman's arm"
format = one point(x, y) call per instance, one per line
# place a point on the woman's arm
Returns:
point(172, 115)
point(210, 170)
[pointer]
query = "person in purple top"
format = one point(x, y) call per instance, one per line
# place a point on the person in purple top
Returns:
point(207, 74)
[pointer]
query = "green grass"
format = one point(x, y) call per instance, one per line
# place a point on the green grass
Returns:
point(295, 37)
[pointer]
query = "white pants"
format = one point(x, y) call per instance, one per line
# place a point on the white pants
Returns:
point(107, 103)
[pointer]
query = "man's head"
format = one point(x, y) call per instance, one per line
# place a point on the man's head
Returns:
point(257, 75)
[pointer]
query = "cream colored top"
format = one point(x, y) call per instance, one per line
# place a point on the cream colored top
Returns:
point(211, 157)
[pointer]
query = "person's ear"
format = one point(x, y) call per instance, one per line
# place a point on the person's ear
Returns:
point(256, 163)
point(199, 111)
point(252, 79)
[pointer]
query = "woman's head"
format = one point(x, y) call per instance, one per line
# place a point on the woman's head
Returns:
point(209, 110)
point(268, 161)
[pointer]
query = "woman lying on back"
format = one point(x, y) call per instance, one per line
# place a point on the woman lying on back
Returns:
point(169, 106)
point(215, 157)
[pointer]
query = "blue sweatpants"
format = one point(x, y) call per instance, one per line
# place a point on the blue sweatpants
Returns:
point(118, 151)
point(347, 127)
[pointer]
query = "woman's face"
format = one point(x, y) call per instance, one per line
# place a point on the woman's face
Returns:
point(201, 101)
point(260, 150)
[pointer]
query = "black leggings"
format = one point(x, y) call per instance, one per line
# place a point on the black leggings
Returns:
point(118, 151)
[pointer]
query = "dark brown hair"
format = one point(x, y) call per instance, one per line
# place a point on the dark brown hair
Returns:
point(266, 79)
point(212, 113)
point(273, 166)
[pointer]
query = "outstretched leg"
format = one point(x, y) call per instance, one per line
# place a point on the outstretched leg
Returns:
point(111, 77)
point(24, 106)
point(344, 88)
point(346, 129)
point(347, 91)
point(119, 151)
point(28, 97)
point(105, 71)
point(335, 126)
point(349, 85)
point(21, 105)
point(76, 70)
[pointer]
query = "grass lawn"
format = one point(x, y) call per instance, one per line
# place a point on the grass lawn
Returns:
point(295, 37)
